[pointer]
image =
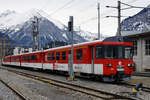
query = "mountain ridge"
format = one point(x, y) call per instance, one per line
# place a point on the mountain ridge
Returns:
point(19, 27)
point(137, 23)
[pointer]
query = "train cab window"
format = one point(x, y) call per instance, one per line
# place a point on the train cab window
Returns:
point(99, 52)
point(57, 55)
point(128, 53)
point(79, 54)
point(64, 55)
point(120, 52)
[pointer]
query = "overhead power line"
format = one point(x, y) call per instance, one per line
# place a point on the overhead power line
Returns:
point(44, 6)
point(130, 6)
point(62, 7)
point(132, 1)
point(83, 10)
point(119, 12)
point(88, 20)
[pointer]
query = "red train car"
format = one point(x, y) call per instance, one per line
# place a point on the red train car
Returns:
point(110, 59)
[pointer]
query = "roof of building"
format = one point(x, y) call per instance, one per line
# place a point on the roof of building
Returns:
point(135, 35)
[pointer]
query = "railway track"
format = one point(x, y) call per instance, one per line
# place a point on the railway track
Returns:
point(144, 88)
point(20, 95)
point(142, 74)
point(82, 89)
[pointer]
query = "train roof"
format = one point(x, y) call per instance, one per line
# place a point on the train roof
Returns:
point(109, 39)
point(75, 45)
point(117, 39)
point(67, 46)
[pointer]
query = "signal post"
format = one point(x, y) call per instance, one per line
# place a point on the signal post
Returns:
point(70, 64)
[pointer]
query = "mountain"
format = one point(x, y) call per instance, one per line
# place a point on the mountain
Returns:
point(89, 35)
point(136, 24)
point(19, 27)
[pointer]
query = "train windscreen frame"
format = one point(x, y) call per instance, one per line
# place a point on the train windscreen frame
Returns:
point(113, 52)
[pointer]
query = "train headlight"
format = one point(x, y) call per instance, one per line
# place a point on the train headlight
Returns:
point(109, 65)
point(119, 63)
point(129, 65)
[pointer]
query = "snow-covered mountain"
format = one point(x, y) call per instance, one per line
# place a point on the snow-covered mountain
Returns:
point(19, 27)
point(137, 24)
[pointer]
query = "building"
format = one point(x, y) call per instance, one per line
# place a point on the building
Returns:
point(5, 48)
point(0, 50)
point(141, 51)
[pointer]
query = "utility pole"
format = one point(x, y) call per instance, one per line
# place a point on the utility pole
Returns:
point(35, 34)
point(79, 30)
point(70, 64)
point(2, 52)
point(4, 47)
point(119, 18)
point(98, 8)
point(148, 17)
point(1, 49)
point(119, 13)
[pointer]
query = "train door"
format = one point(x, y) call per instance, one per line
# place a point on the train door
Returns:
point(42, 59)
point(98, 65)
point(20, 60)
point(92, 59)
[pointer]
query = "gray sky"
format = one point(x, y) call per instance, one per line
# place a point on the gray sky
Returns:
point(84, 11)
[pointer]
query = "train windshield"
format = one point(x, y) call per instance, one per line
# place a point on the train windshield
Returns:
point(114, 52)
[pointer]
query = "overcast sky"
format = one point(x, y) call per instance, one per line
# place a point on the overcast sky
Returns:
point(84, 11)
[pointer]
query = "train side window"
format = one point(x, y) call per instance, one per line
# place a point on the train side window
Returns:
point(99, 52)
point(12, 58)
point(17, 59)
point(28, 58)
point(64, 55)
point(33, 57)
point(49, 56)
point(46, 58)
point(69, 51)
point(57, 55)
point(53, 56)
point(79, 54)
point(25, 58)
point(22, 58)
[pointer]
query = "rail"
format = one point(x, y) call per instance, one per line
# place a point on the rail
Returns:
point(19, 94)
point(82, 89)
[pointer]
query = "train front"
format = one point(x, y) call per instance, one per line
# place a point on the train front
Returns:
point(118, 59)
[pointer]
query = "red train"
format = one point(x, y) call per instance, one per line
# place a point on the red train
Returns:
point(110, 59)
